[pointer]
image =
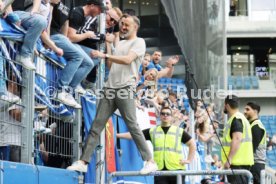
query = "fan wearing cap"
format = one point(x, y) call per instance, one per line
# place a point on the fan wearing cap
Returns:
point(78, 18)
point(79, 27)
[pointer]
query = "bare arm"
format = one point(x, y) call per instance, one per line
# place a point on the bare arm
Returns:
point(205, 138)
point(74, 37)
point(124, 60)
point(46, 39)
point(168, 71)
point(192, 149)
point(108, 49)
point(124, 135)
point(36, 6)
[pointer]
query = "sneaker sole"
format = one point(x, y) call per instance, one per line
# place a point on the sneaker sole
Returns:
point(70, 105)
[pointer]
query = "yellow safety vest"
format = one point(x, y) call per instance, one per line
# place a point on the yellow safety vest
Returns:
point(260, 154)
point(244, 156)
point(167, 147)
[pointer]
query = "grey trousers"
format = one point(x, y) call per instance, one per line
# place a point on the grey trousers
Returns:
point(110, 101)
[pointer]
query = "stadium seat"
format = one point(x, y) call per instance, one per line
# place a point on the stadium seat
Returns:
point(255, 82)
point(266, 125)
point(180, 81)
point(264, 118)
point(231, 82)
point(270, 117)
point(271, 122)
point(239, 82)
point(168, 80)
point(161, 81)
point(246, 83)
point(174, 81)
point(270, 154)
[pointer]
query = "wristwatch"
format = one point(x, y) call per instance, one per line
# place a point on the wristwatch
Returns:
point(106, 56)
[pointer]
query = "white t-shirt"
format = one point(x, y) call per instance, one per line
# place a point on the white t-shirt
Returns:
point(126, 75)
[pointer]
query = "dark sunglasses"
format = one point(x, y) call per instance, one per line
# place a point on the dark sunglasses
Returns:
point(112, 19)
point(165, 114)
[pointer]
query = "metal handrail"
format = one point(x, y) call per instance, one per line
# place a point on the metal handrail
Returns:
point(178, 174)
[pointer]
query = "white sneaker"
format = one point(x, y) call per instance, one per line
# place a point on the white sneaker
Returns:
point(38, 126)
point(78, 166)
point(80, 90)
point(68, 99)
point(27, 63)
point(10, 97)
point(149, 167)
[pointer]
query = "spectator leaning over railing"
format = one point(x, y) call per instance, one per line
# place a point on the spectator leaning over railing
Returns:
point(83, 30)
point(124, 65)
point(78, 63)
point(236, 141)
point(44, 8)
point(167, 142)
point(34, 24)
point(251, 112)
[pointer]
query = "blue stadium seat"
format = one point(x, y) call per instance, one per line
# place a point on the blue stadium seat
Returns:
point(270, 154)
point(255, 82)
point(161, 80)
point(270, 117)
point(231, 82)
point(168, 80)
point(239, 82)
point(174, 81)
point(273, 165)
point(269, 132)
point(180, 81)
point(264, 118)
point(265, 123)
point(271, 122)
point(274, 118)
point(246, 83)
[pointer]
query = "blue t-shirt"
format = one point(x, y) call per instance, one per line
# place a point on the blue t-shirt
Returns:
point(150, 66)
point(157, 66)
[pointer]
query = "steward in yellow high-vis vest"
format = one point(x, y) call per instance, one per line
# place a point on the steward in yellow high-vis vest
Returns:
point(251, 112)
point(244, 155)
point(237, 148)
point(167, 141)
point(167, 147)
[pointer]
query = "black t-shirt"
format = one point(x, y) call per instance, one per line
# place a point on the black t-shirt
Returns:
point(257, 135)
point(83, 24)
point(77, 18)
point(21, 5)
point(184, 139)
point(236, 126)
point(59, 17)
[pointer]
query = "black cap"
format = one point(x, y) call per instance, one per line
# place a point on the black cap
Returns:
point(97, 3)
